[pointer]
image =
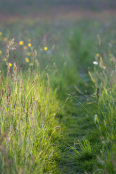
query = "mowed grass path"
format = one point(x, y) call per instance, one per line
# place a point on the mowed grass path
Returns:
point(78, 127)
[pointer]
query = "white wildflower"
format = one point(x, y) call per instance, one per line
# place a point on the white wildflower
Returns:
point(96, 120)
point(95, 62)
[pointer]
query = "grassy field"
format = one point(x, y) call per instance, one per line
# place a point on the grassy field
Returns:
point(57, 90)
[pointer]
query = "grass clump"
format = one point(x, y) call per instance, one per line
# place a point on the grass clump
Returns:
point(28, 127)
point(101, 136)
point(104, 78)
point(106, 115)
point(31, 113)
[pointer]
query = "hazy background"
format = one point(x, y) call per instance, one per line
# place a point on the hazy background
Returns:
point(37, 6)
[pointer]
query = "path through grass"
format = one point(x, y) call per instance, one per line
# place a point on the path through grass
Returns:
point(62, 106)
point(78, 126)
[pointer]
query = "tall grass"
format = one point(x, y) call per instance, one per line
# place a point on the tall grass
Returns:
point(30, 108)
point(106, 115)
point(29, 129)
point(31, 100)
point(103, 149)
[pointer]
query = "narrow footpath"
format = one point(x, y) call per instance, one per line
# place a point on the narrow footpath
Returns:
point(77, 126)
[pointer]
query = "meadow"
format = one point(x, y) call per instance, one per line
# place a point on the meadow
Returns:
point(57, 92)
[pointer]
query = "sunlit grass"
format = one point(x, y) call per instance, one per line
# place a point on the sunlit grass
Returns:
point(103, 77)
point(32, 132)
point(28, 124)
point(30, 105)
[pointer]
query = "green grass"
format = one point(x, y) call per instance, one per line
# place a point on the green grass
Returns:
point(28, 125)
point(104, 113)
point(30, 108)
point(51, 119)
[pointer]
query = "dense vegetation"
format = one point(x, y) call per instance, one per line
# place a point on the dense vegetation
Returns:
point(57, 94)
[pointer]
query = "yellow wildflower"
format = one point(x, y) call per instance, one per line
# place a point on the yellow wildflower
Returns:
point(25, 47)
point(21, 43)
point(0, 52)
point(97, 55)
point(0, 33)
point(26, 59)
point(5, 39)
point(5, 59)
point(28, 53)
point(29, 40)
point(10, 64)
point(45, 48)
point(29, 45)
